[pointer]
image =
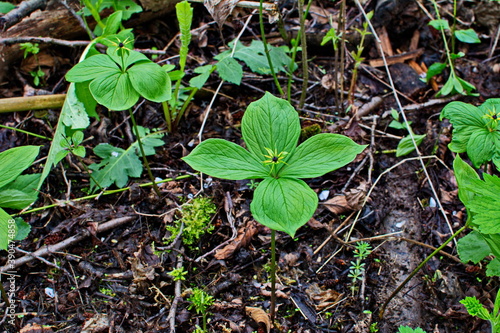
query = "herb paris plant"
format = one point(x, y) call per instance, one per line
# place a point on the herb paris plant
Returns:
point(271, 129)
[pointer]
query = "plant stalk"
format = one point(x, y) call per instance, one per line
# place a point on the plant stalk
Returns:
point(146, 163)
point(417, 269)
point(273, 275)
point(303, 44)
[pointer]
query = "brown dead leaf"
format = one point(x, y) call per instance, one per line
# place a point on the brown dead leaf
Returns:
point(259, 316)
point(352, 200)
point(98, 323)
point(220, 9)
point(324, 298)
point(319, 14)
point(245, 235)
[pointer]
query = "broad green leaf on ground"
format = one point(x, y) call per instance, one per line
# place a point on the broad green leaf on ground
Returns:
point(434, 69)
point(486, 204)
point(405, 146)
point(20, 193)
point(473, 247)
point(439, 24)
point(118, 165)
point(270, 123)
point(283, 204)
point(75, 113)
point(320, 154)
point(230, 70)
point(8, 229)
point(223, 159)
point(14, 161)
point(467, 36)
point(474, 129)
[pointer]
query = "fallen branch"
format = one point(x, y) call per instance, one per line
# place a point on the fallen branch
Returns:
point(40, 102)
point(48, 249)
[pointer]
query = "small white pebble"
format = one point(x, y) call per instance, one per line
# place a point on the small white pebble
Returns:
point(50, 292)
point(324, 195)
point(432, 202)
point(115, 154)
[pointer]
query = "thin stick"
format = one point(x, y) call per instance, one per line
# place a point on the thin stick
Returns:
point(273, 275)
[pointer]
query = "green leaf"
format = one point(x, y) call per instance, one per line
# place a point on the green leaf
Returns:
point(230, 70)
point(320, 154)
point(77, 138)
point(464, 174)
point(117, 166)
point(439, 24)
point(113, 23)
point(185, 17)
point(14, 161)
point(405, 146)
point(6, 7)
point(408, 329)
point(20, 193)
point(272, 123)
point(74, 114)
point(114, 92)
point(84, 96)
point(23, 229)
point(200, 80)
point(486, 204)
point(467, 36)
point(475, 308)
point(223, 159)
point(283, 204)
point(79, 151)
point(92, 68)
point(473, 247)
point(128, 7)
point(150, 81)
point(493, 267)
point(8, 229)
point(481, 146)
point(433, 70)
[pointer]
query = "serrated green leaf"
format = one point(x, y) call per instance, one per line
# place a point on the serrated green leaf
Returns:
point(223, 159)
point(74, 114)
point(467, 36)
point(117, 166)
point(114, 92)
point(185, 17)
point(230, 70)
point(8, 229)
point(283, 204)
point(200, 80)
point(270, 123)
point(439, 24)
point(150, 81)
point(405, 146)
point(472, 247)
point(23, 229)
point(486, 204)
point(464, 174)
point(475, 308)
point(320, 154)
point(493, 267)
point(14, 161)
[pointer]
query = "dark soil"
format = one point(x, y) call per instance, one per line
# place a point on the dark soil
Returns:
point(117, 281)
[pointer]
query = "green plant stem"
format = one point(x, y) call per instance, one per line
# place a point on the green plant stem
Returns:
point(4, 294)
point(273, 275)
point(418, 268)
point(168, 116)
point(181, 112)
point(445, 43)
point(146, 163)
point(266, 50)
point(25, 132)
point(303, 44)
point(342, 51)
point(93, 196)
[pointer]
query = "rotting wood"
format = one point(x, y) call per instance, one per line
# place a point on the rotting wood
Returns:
point(48, 249)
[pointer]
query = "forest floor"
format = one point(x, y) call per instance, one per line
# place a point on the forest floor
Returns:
point(117, 280)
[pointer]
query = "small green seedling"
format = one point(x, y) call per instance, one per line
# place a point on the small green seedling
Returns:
point(271, 130)
point(357, 269)
point(201, 302)
point(30, 48)
point(178, 274)
point(475, 308)
point(475, 130)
